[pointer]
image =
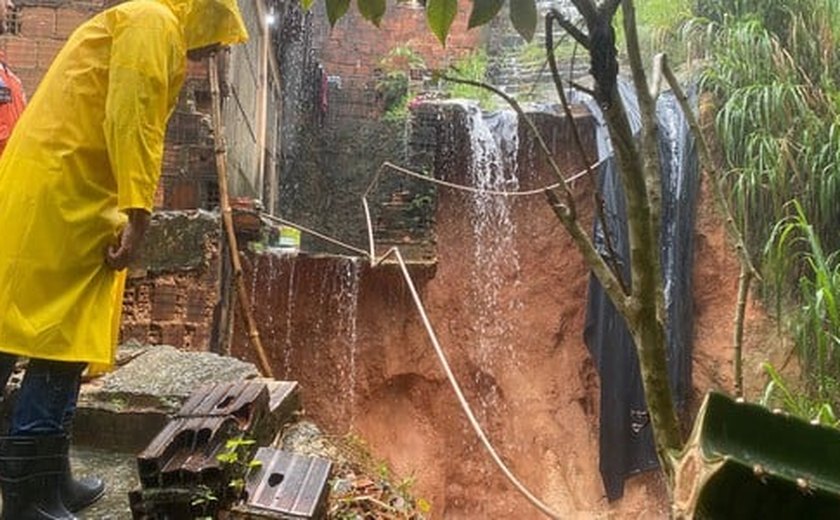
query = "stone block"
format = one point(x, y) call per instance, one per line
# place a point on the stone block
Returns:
point(177, 241)
point(127, 408)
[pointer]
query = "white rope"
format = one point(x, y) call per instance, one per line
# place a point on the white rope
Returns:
point(536, 502)
point(394, 251)
point(479, 191)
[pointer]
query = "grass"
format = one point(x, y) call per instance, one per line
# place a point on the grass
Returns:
point(774, 72)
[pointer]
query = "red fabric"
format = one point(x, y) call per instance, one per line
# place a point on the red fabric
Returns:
point(10, 112)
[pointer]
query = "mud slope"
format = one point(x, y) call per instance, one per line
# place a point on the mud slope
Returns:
point(352, 338)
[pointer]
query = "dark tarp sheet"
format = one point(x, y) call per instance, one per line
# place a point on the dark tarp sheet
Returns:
point(626, 440)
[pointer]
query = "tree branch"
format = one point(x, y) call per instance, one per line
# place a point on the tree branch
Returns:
point(709, 166)
point(649, 144)
point(748, 270)
point(565, 211)
point(568, 26)
point(613, 285)
point(611, 257)
point(587, 9)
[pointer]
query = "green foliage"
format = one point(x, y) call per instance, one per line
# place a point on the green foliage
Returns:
point(393, 86)
point(794, 245)
point(236, 459)
point(483, 11)
point(203, 497)
point(779, 392)
point(472, 67)
point(440, 14)
point(774, 73)
point(336, 9)
point(658, 23)
point(372, 10)
point(523, 16)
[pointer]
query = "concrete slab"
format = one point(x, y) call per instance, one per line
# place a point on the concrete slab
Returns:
point(125, 409)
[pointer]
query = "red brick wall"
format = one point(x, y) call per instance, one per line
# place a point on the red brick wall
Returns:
point(170, 309)
point(354, 48)
point(44, 27)
point(171, 294)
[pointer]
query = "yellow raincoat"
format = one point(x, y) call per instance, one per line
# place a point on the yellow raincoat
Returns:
point(88, 145)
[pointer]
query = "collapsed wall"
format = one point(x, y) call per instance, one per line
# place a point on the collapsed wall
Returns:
point(350, 334)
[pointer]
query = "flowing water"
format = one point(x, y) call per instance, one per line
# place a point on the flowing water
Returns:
point(348, 305)
point(290, 312)
point(494, 141)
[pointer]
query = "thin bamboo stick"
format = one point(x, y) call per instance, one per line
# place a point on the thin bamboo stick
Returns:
point(227, 218)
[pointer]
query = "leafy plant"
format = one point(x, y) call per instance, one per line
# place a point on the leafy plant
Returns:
point(774, 73)
point(237, 460)
point(471, 67)
point(393, 87)
point(816, 318)
point(203, 497)
point(779, 392)
point(658, 22)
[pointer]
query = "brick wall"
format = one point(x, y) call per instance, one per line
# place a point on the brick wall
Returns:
point(173, 289)
point(43, 27)
point(353, 48)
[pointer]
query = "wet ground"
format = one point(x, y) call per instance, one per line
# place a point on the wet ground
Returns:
point(119, 470)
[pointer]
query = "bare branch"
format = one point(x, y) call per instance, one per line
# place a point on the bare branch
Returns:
point(518, 109)
point(568, 26)
point(710, 167)
point(567, 209)
point(609, 8)
point(587, 9)
point(656, 81)
point(613, 285)
point(611, 257)
point(581, 88)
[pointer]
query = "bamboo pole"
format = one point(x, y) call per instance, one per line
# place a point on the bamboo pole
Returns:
point(227, 218)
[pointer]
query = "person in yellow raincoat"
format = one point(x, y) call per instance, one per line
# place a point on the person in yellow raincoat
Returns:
point(77, 181)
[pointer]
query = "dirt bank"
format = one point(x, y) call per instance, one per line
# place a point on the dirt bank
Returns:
point(352, 338)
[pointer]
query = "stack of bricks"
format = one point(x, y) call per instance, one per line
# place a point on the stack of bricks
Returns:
point(188, 172)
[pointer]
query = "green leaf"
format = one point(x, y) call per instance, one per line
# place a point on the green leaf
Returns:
point(335, 9)
point(523, 14)
point(372, 10)
point(483, 11)
point(306, 4)
point(440, 14)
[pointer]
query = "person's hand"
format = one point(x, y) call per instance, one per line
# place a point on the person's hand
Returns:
point(118, 256)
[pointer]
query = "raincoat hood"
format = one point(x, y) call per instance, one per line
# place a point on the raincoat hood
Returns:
point(208, 22)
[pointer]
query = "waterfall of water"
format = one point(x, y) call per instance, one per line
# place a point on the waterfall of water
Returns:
point(290, 311)
point(348, 304)
point(494, 140)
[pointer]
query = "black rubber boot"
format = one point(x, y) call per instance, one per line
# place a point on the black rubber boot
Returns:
point(78, 494)
point(31, 472)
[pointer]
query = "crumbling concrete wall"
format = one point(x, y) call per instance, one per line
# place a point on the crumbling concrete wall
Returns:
point(173, 289)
